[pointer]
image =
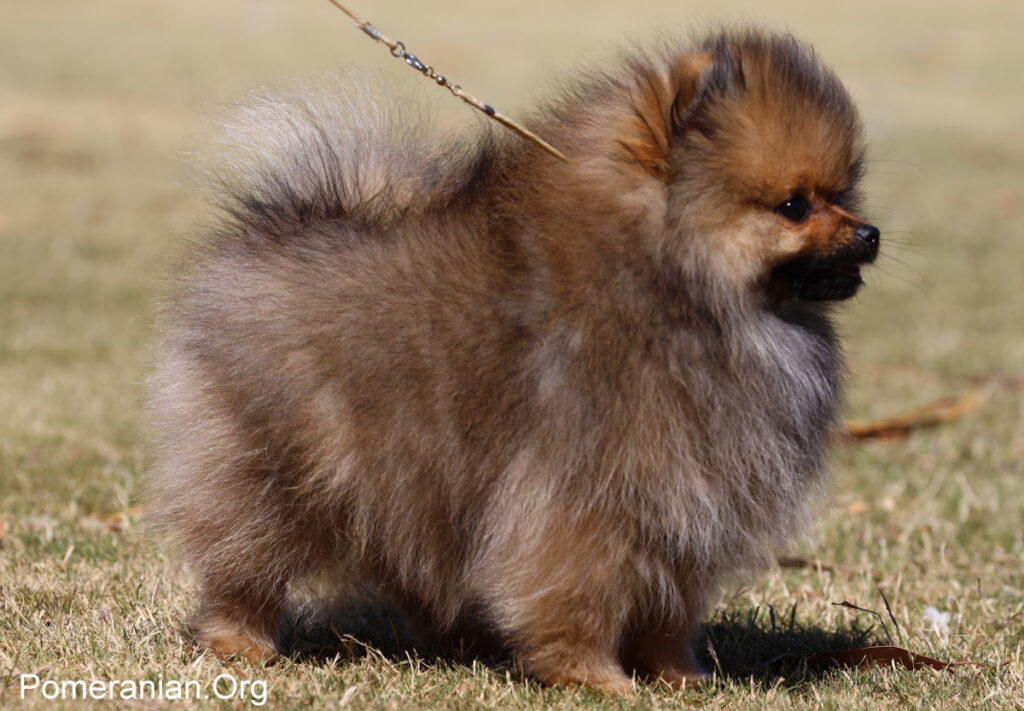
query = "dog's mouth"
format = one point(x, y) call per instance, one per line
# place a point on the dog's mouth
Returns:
point(825, 279)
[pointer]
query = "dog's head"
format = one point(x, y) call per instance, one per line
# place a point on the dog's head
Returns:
point(760, 148)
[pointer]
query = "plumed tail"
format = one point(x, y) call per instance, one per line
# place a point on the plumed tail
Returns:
point(343, 149)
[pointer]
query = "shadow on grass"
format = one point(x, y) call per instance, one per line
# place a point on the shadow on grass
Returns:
point(757, 645)
point(354, 632)
point(762, 645)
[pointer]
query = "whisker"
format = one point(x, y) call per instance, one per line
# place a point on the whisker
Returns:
point(911, 282)
point(904, 248)
point(904, 264)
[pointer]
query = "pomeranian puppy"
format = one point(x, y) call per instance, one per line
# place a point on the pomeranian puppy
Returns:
point(554, 402)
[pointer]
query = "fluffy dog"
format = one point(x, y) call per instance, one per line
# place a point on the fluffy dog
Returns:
point(554, 402)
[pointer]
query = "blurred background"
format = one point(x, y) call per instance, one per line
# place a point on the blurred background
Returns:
point(101, 103)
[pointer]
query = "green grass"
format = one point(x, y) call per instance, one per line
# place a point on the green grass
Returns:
point(98, 101)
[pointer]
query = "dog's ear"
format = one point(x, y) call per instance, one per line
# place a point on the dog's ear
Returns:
point(686, 75)
point(660, 102)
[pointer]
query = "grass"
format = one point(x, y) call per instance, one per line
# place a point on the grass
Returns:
point(98, 100)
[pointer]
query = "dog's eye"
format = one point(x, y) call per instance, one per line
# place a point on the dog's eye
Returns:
point(794, 209)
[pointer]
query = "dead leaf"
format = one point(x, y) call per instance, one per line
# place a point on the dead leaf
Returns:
point(1004, 558)
point(465, 686)
point(815, 564)
point(881, 656)
point(3, 528)
point(119, 520)
point(934, 413)
point(804, 594)
point(120, 515)
point(858, 507)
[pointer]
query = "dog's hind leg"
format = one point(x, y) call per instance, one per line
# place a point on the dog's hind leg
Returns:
point(239, 620)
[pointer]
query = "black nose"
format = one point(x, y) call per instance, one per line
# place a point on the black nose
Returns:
point(868, 234)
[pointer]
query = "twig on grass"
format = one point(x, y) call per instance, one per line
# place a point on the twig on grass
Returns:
point(929, 415)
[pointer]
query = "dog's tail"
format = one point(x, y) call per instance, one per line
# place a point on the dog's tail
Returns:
point(341, 150)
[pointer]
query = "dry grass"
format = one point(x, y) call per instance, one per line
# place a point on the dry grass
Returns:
point(96, 99)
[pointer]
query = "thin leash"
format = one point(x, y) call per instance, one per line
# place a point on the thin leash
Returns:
point(398, 50)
